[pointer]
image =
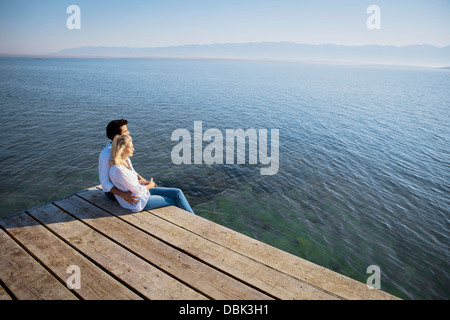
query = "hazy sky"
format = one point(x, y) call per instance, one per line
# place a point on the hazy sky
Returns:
point(39, 26)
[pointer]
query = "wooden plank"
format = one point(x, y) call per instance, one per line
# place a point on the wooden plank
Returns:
point(319, 276)
point(3, 294)
point(277, 284)
point(204, 278)
point(137, 273)
point(25, 277)
point(57, 256)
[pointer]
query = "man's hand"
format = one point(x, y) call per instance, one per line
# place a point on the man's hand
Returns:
point(127, 196)
point(130, 198)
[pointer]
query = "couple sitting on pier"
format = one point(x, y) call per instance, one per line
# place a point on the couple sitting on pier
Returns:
point(121, 182)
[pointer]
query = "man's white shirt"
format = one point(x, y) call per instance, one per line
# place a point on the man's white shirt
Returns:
point(103, 168)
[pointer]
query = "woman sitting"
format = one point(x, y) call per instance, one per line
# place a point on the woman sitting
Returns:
point(124, 177)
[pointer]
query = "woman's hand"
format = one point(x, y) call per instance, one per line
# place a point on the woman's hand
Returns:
point(150, 184)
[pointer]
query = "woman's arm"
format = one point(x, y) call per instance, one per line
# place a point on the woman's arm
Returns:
point(141, 180)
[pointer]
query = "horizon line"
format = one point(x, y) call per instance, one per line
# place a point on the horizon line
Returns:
point(222, 43)
point(260, 42)
point(40, 56)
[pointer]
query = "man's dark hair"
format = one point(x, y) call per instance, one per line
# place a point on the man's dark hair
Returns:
point(113, 128)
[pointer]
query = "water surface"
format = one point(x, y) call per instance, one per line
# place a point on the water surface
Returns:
point(364, 152)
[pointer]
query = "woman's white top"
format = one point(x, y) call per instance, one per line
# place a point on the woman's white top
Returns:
point(126, 180)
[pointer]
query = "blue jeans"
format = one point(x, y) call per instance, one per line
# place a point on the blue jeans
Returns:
point(162, 197)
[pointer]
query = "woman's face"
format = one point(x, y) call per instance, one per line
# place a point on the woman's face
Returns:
point(128, 151)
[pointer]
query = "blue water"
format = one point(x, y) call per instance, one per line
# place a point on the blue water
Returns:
point(364, 152)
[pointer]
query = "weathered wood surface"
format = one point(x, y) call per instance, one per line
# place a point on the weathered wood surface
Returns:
point(165, 253)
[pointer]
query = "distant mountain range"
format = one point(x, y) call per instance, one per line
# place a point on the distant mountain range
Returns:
point(413, 55)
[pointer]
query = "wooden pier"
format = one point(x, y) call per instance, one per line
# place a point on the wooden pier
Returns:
point(103, 252)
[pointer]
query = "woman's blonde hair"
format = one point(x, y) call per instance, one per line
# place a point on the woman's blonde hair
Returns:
point(118, 145)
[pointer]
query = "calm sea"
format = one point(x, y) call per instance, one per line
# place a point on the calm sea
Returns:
point(364, 175)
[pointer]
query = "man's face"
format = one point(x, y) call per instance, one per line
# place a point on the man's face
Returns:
point(124, 130)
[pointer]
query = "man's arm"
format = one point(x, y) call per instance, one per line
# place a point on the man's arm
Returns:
point(127, 196)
